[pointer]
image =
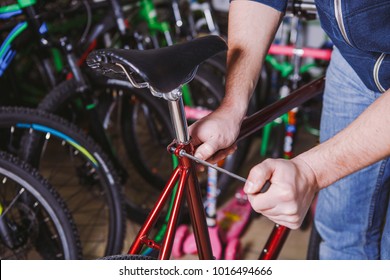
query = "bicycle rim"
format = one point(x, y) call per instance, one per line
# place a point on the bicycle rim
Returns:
point(77, 169)
point(35, 223)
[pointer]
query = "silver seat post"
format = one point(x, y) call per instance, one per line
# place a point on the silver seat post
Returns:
point(179, 121)
point(175, 105)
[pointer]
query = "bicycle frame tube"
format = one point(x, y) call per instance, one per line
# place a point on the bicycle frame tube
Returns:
point(258, 120)
point(184, 174)
point(290, 71)
point(142, 237)
point(194, 197)
point(34, 23)
point(274, 243)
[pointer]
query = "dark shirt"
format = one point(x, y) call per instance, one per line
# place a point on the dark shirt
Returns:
point(360, 29)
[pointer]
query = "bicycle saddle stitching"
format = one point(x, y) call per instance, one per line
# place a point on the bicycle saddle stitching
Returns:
point(164, 69)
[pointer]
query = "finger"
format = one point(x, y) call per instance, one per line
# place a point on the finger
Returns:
point(257, 178)
point(218, 157)
point(286, 221)
point(205, 151)
point(259, 208)
point(222, 154)
point(261, 204)
point(276, 212)
point(285, 216)
point(195, 141)
point(265, 201)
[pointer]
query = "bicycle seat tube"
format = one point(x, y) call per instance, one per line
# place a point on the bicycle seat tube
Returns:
point(187, 182)
point(179, 121)
point(194, 198)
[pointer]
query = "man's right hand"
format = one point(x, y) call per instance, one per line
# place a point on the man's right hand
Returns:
point(214, 136)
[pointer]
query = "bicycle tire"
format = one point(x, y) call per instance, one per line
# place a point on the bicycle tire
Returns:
point(87, 181)
point(137, 209)
point(60, 101)
point(146, 132)
point(146, 135)
point(35, 221)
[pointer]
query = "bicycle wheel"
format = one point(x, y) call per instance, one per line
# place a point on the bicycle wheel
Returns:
point(113, 99)
point(77, 168)
point(108, 95)
point(147, 131)
point(35, 222)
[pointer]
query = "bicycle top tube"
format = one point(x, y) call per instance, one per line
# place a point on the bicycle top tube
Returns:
point(256, 121)
point(162, 70)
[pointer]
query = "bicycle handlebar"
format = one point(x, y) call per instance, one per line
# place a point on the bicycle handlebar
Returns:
point(323, 54)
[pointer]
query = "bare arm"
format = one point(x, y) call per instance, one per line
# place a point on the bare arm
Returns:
point(364, 142)
point(252, 27)
point(295, 182)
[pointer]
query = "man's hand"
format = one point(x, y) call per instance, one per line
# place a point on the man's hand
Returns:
point(292, 190)
point(214, 136)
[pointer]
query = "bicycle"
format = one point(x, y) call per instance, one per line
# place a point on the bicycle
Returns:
point(143, 113)
point(78, 169)
point(22, 20)
point(84, 161)
point(133, 66)
point(34, 221)
point(286, 65)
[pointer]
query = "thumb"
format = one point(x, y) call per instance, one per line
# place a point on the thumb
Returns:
point(258, 180)
point(205, 151)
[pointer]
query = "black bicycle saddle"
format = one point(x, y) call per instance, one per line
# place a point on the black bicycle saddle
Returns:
point(164, 69)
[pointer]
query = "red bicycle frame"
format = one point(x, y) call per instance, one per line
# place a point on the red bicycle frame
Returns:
point(185, 176)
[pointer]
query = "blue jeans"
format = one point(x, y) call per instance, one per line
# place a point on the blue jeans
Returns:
point(351, 213)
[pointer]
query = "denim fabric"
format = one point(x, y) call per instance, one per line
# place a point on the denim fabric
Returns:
point(351, 213)
point(367, 26)
point(279, 5)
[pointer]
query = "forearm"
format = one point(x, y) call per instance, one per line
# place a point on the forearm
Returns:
point(252, 27)
point(362, 143)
